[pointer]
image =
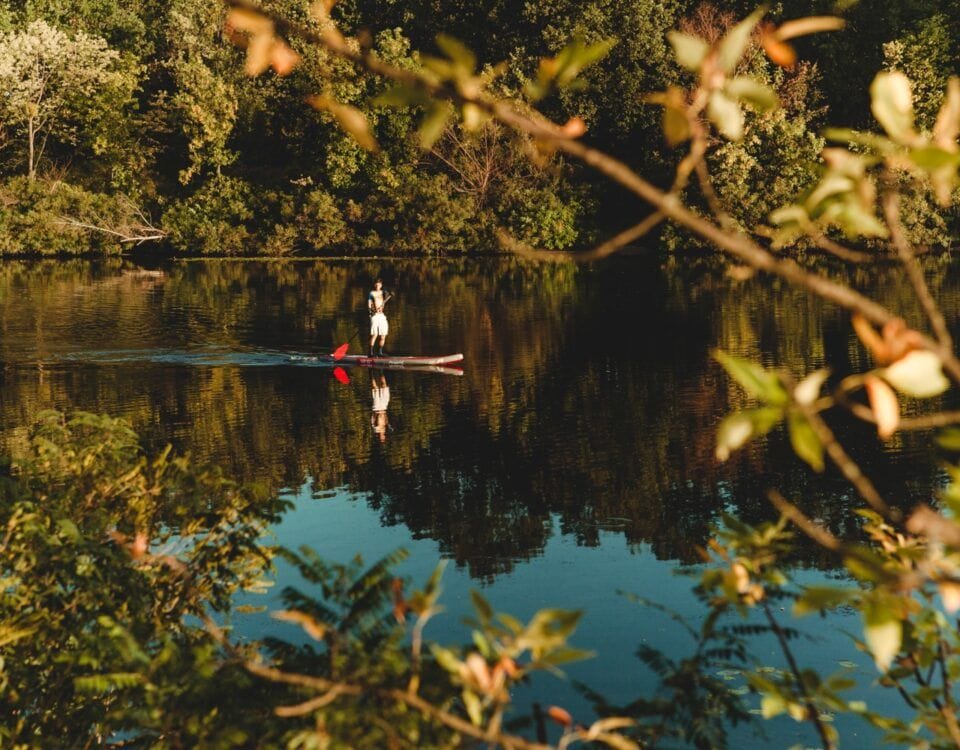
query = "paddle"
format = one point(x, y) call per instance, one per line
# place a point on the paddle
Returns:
point(341, 351)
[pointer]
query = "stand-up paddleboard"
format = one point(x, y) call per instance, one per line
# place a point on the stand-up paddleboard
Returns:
point(389, 362)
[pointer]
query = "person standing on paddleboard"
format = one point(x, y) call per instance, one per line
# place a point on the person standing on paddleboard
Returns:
point(378, 320)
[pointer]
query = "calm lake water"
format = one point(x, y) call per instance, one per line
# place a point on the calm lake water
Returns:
point(572, 460)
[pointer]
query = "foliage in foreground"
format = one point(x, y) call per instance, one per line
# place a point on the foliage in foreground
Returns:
point(120, 573)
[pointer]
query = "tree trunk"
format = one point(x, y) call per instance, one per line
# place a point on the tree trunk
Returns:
point(31, 137)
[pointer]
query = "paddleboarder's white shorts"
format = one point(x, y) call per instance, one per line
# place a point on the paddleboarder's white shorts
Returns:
point(381, 398)
point(379, 325)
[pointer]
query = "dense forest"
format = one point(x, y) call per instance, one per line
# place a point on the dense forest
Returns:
point(123, 122)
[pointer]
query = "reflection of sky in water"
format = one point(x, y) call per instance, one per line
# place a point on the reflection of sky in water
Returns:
point(574, 577)
point(573, 458)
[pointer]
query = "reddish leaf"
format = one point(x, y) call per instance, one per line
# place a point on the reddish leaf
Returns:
point(139, 547)
point(560, 715)
point(340, 374)
point(574, 127)
point(879, 348)
point(282, 58)
point(779, 52)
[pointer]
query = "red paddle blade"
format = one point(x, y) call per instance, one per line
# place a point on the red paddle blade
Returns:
point(340, 351)
point(340, 374)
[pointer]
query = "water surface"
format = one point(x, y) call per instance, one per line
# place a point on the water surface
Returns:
point(573, 458)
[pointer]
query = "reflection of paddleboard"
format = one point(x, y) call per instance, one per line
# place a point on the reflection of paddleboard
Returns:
point(433, 368)
point(388, 363)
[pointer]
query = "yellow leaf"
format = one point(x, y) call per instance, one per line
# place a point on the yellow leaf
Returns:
point(259, 50)
point(243, 19)
point(950, 594)
point(312, 628)
point(351, 119)
point(947, 127)
point(809, 25)
point(891, 101)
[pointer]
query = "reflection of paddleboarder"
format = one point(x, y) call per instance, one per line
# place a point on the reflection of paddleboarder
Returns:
point(378, 320)
point(380, 394)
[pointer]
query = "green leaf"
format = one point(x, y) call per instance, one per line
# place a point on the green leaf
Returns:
point(399, 95)
point(481, 605)
point(949, 439)
point(772, 705)
point(351, 119)
point(854, 219)
point(818, 598)
point(754, 379)
point(474, 708)
point(102, 683)
point(482, 644)
point(870, 140)
point(734, 44)
point(919, 374)
point(805, 442)
point(433, 124)
point(676, 127)
point(738, 428)
point(726, 115)
point(576, 56)
point(511, 623)
point(446, 658)
point(892, 104)
point(689, 50)
point(866, 565)
point(930, 158)
point(565, 655)
point(757, 95)
point(832, 184)
point(68, 529)
point(465, 62)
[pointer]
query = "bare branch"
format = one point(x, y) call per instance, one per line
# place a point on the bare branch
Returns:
point(891, 212)
point(599, 252)
point(835, 248)
point(815, 531)
point(136, 233)
point(848, 467)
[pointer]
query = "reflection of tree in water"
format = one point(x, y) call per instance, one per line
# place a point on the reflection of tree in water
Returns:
point(589, 401)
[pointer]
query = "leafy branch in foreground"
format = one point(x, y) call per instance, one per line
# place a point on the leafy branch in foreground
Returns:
point(366, 679)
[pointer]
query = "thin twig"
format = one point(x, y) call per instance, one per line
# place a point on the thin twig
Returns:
point(835, 248)
point(815, 531)
point(890, 202)
point(812, 713)
point(603, 250)
point(342, 688)
point(948, 711)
